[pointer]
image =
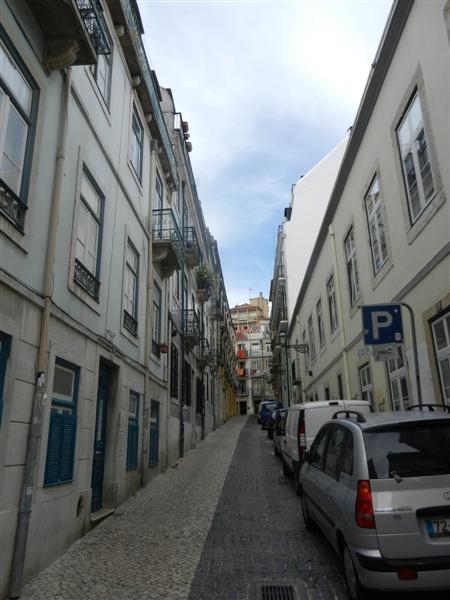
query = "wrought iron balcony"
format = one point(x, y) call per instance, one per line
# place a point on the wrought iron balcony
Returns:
point(191, 328)
point(75, 31)
point(12, 206)
point(86, 280)
point(130, 323)
point(192, 250)
point(167, 242)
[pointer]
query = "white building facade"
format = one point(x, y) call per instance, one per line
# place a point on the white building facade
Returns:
point(112, 366)
point(385, 235)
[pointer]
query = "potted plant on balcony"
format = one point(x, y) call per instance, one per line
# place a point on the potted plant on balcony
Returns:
point(203, 281)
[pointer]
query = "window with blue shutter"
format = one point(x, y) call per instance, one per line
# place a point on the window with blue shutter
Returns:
point(5, 343)
point(63, 424)
point(133, 431)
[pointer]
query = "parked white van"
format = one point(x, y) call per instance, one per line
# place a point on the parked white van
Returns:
point(303, 422)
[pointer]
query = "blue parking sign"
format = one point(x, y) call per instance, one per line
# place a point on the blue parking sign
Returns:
point(382, 324)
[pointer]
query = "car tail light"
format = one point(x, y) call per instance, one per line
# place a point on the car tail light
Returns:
point(407, 573)
point(363, 505)
point(301, 436)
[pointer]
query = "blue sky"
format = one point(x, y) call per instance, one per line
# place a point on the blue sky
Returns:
point(268, 89)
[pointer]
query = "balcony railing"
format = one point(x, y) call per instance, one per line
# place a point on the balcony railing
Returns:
point(191, 328)
point(130, 323)
point(12, 206)
point(167, 242)
point(86, 280)
point(192, 251)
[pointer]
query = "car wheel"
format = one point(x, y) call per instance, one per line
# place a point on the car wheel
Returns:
point(307, 520)
point(354, 588)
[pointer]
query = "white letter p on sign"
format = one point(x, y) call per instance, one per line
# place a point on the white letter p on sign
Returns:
point(380, 320)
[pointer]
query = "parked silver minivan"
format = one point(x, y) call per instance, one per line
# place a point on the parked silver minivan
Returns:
point(378, 487)
point(302, 423)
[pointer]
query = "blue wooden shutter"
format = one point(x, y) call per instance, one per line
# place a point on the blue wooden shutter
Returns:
point(60, 448)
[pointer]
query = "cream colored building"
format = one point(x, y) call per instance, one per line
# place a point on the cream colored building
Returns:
point(385, 234)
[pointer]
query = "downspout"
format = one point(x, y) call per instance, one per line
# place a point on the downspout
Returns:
point(340, 312)
point(40, 390)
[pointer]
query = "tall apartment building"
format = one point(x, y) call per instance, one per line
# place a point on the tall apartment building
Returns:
point(384, 238)
point(116, 340)
point(253, 354)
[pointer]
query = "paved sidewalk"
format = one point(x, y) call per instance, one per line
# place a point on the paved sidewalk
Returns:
point(149, 549)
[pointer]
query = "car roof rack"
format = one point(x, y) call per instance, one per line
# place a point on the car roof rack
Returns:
point(360, 418)
point(431, 407)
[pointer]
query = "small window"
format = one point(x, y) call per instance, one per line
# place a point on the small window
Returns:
point(136, 144)
point(332, 309)
point(88, 242)
point(365, 381)
point(102, 72)
point(320, 325)
point(174, 368)
point(63, 424)
point(312, 344)
point(18, 113)
point(133, 431)
point(441, 338)
point(156, 328)
point(352, 267)
point(375, 221)
point(415, 159)
point(398, 382)
point(130, 289)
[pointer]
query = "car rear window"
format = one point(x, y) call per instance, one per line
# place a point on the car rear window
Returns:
point(408, 450)
point(269, 407)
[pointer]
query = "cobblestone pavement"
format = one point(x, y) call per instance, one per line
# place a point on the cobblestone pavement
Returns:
point(220, 526)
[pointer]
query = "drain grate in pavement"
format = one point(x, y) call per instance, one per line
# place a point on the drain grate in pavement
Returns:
point(278, 592)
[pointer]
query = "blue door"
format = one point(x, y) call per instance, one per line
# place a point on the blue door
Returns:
point(153, 451)
point(98, 464)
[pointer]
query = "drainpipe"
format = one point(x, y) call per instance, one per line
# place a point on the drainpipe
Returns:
point(40, 393)
point(340, 312)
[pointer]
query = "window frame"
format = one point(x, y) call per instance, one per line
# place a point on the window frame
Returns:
point(365, 383)
point(352, 267)
point(174, 371)
point(442, 353)
point(15, 203)
point(107, 59)
point(136, 157)
point(62, 430)
point(312, 343)
point(376, 226)
point(411, 149)
point(83, 276)
point(320, 324)
point(157, 317)
point(397, 374)
point(133, 431)
point(332, 306)
point(131, 278)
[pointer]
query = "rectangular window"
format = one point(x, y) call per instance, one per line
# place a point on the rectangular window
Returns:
point(340, 386)
point(18, 112)
point(187, 392)
point(136, 144)
point(312, 344)
point(5, 344)
point(332, 310)
point(153, 451)
point(102, 73)
point(306, 354)
point(365, 382)
point(88, 243)
point(156, 326)
point(174, 367)
point(133, 431)
point(375, 221)
point(398, 382)
point(415, 159)
point(441, 338)
point(320, 324)
point(63, 424)
point(130, 289)
point(352, 267)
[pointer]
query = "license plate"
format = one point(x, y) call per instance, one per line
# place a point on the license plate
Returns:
point(438, 527)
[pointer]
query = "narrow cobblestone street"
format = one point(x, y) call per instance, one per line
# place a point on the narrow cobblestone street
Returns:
point(220, 526)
